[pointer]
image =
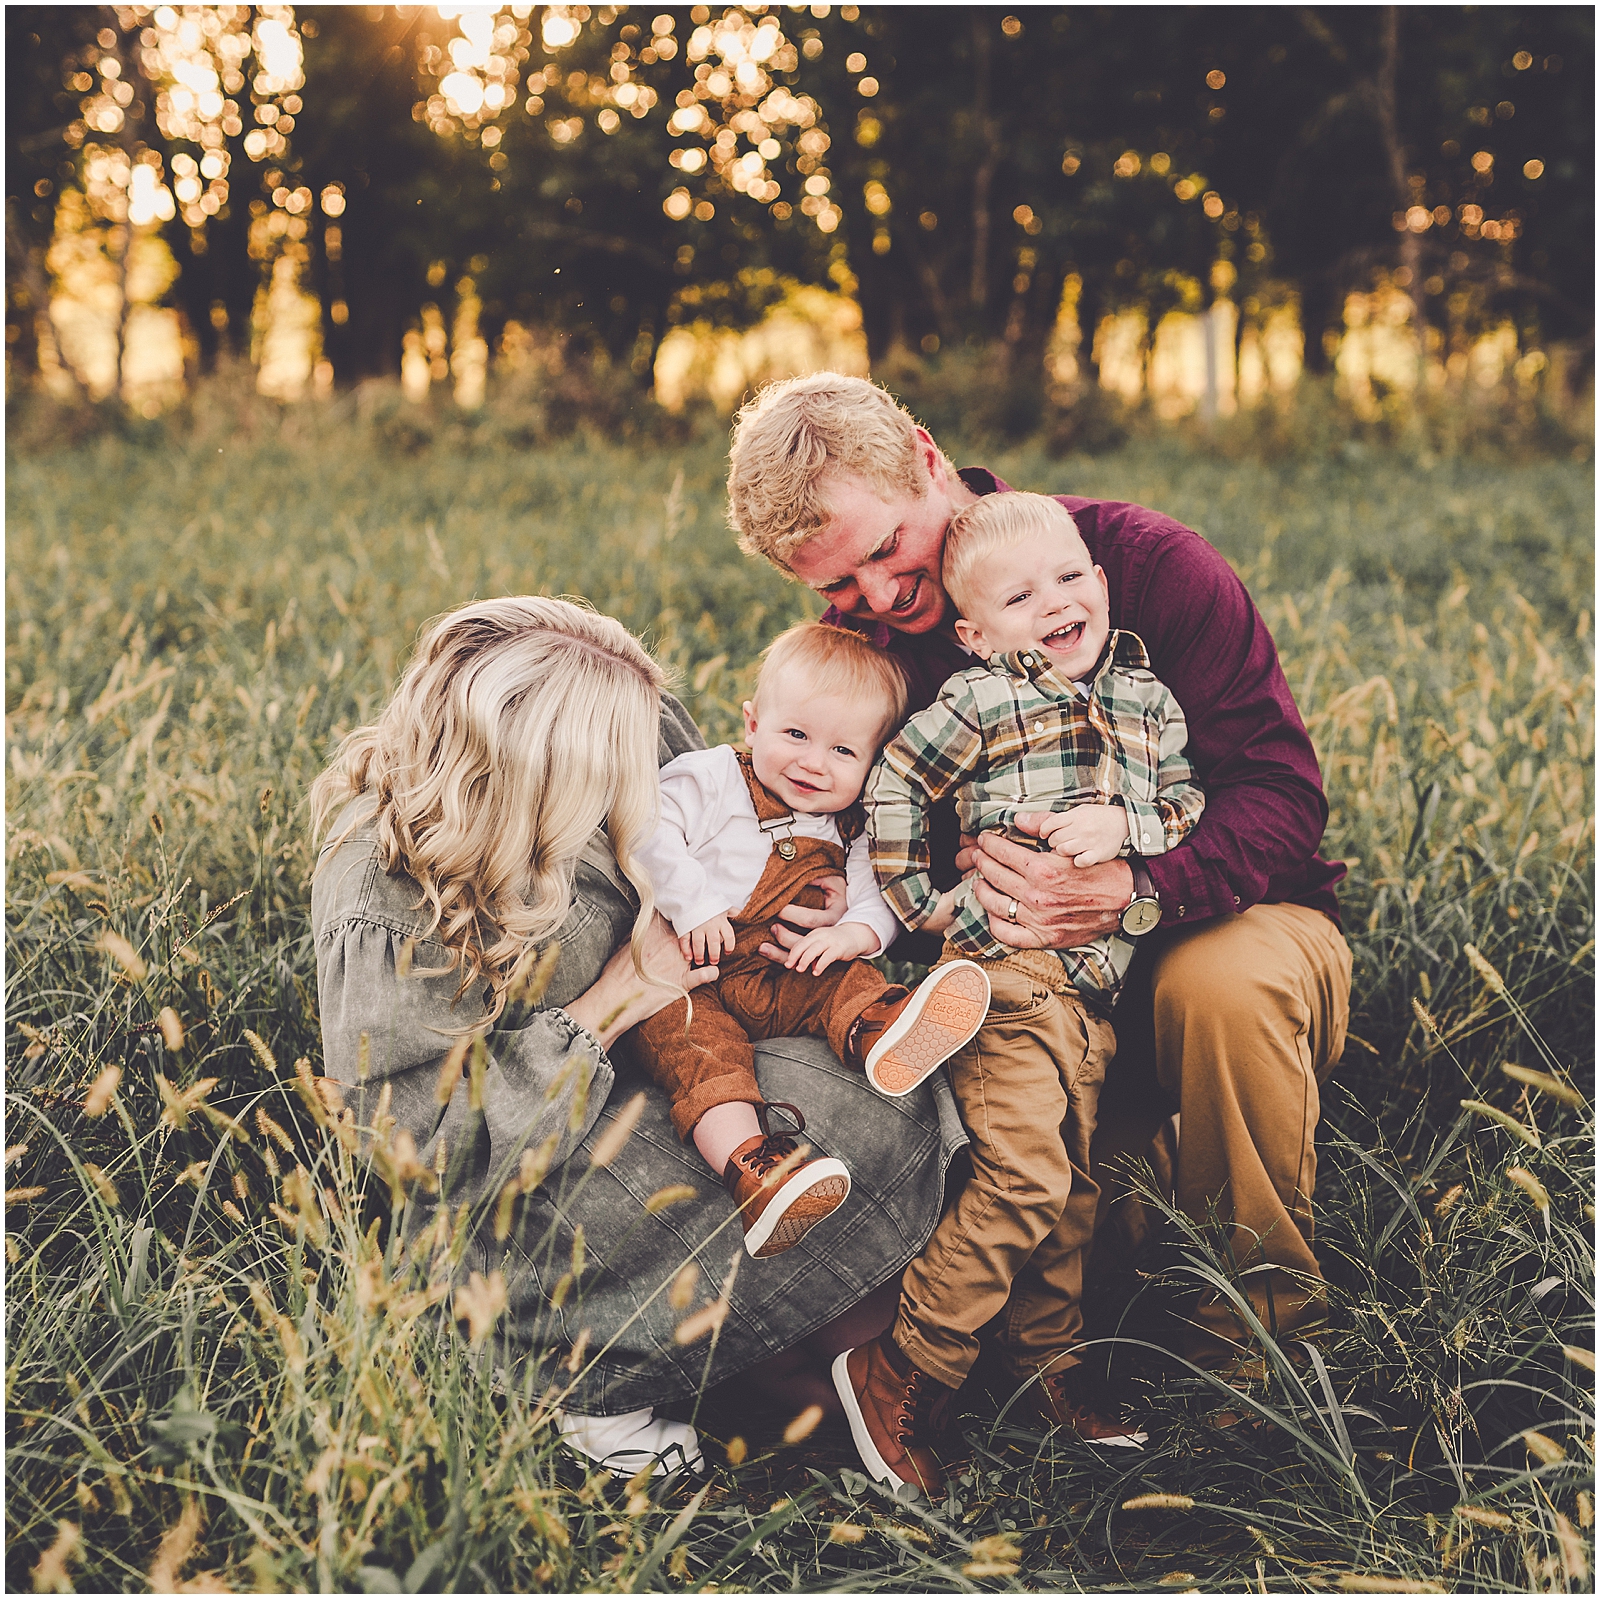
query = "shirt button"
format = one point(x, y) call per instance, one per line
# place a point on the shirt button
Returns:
point(1038, 727)
point(1183, 910)
point(1027, 660)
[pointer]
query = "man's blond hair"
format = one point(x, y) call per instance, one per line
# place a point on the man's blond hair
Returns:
point(792, 436)
point(995, 522)
point(835, 661)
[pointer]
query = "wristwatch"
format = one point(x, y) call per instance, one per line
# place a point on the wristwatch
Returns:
point(1143, 912)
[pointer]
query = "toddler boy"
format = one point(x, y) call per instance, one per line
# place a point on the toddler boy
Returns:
point(741, 836)
point(1058, 713)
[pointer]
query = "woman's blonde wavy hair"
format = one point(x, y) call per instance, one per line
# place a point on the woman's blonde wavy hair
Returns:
point(519, 727)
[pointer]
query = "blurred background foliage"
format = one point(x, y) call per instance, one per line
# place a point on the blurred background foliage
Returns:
point(1093, 207)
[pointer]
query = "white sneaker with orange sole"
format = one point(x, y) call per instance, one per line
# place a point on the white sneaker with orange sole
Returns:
point(901, 1043)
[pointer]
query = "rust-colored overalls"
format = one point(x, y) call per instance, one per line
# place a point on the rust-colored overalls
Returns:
point(710, 1061)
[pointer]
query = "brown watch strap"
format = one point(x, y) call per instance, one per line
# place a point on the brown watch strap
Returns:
point(1143, 886)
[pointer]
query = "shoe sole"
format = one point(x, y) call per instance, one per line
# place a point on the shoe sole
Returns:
point(624, 1460)
point(877, 1466)
point(776, 1228)
point(1125, 1440)
point(943, 1016)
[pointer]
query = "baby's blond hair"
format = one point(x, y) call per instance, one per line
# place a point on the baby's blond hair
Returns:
point(836, 661)
point(995, 522)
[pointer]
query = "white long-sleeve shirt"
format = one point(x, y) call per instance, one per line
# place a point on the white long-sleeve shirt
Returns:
point(708, 851)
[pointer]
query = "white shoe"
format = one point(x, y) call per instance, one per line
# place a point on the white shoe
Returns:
point(625, 1444)
point(940, 1016)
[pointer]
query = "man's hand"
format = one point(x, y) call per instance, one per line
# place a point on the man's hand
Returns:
point(786, 934)
point(706, 944)
point(1058, 905)
point(1089, 834)
point(818, 950)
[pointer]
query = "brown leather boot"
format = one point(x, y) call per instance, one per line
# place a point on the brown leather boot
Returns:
point(1066, 1396)
point(899, 1042)
point(897, 1415)
point(781, 1194)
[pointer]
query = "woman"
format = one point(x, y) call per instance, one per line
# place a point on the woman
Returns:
point(494, 809)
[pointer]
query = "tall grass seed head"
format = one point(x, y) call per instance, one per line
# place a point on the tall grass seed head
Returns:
point(101, 1092)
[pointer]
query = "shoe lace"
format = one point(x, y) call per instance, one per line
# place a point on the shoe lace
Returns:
point(774, 1149)
point(776, 1146)
point(922, 1409)
point(1068, 1387)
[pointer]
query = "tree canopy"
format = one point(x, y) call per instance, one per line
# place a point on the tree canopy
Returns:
point(606, 171)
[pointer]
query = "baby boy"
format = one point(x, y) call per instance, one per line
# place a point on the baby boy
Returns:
point(742, 834)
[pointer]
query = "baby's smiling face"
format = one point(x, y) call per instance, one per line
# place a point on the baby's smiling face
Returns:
point(813, 751)
point(1043, 593)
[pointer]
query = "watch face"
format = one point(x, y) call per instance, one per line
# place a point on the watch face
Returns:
point(1141, 916)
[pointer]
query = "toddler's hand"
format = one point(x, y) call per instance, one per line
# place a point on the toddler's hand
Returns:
point(1090, 834)
point(945, 911)
point(706, 944)
point(846, 941)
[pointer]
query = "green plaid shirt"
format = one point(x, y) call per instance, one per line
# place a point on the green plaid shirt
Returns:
point(1015, 735)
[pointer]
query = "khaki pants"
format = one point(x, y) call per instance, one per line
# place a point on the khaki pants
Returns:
point(1233, 1025)
point(1016, 1236)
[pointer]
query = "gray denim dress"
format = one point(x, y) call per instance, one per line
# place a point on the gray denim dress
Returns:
point(624, 1255)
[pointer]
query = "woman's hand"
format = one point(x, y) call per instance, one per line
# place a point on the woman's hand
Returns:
point(1058, 905)
point(619, 1000)
point(797, 920)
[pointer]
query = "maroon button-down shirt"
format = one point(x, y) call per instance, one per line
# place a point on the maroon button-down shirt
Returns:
point(1265, 809)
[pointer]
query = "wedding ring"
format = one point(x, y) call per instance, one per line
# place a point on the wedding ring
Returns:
point(1011, 911)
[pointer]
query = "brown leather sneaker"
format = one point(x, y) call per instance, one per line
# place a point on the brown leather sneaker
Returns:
point(900, 1042)
point(897, 1415)
point(780, 1194)
point(1067, 1397)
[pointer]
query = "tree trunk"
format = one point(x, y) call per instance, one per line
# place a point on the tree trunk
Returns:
point(30, 268)
point(983, 178)
point(937, 302)
point(1388, 122)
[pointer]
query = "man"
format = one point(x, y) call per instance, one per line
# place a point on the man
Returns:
point(1238, 1004)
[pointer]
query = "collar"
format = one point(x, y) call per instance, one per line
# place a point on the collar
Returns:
point(982, 481)
point(877, 634)
point(881, 636)
point(1122, 648)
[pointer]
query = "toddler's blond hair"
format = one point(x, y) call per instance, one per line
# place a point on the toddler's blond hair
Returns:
point(995, 522)
point(835, 661)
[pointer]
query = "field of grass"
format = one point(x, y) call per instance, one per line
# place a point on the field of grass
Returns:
point(218, 1371)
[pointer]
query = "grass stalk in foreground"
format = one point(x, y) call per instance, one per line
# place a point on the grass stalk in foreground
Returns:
point(222, 1368)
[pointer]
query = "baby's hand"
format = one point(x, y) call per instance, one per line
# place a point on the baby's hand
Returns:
point(706, 944)
point(1090, 834)
point(845, 941)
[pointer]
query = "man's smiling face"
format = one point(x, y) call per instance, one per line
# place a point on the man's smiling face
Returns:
point(878, 559)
